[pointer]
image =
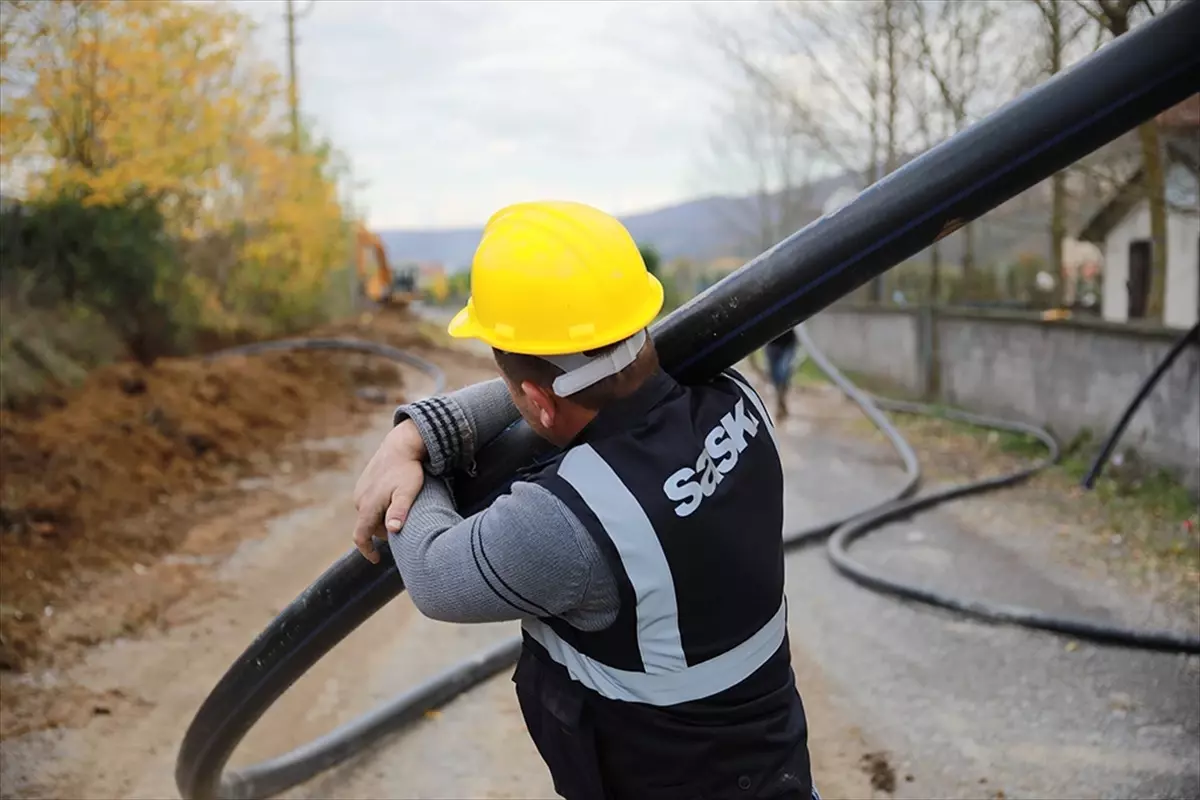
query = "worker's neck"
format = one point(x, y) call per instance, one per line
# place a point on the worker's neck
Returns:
point(572, 419)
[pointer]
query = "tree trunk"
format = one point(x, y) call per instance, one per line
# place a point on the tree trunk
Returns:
point(1155, 189)
point(968, 260)
point(875, 287)
point(1058, 232)
point(1058, 199)
point(893, 86)
point(935, 274)
point(933, 376)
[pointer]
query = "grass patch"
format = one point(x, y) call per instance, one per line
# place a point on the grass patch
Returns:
point(47, 351)
point(1145, 505)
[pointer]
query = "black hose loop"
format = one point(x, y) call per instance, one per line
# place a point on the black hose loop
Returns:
point(334, 605)
point(838, 547)
point(869, 406)
point(353, 589)
point(279, 774)
point(1110, 441)
point(348, 345)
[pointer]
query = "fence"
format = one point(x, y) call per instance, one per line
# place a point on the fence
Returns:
point(1070, 375)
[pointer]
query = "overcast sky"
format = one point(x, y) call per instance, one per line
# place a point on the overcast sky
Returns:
point(450, 110)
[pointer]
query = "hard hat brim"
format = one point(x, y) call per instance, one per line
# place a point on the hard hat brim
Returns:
point(466, 325)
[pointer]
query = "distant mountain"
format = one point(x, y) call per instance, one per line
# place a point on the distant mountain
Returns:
point(698, 229)
point(702, 229)
point(715, 227)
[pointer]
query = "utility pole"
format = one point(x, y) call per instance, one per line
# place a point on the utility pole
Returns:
point(293, 93)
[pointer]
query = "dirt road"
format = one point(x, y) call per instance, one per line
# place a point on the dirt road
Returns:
point(902, 701)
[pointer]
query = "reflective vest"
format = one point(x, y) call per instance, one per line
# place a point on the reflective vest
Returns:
point(689, 693)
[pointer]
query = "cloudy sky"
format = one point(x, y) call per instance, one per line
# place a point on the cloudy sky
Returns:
point(449, 110)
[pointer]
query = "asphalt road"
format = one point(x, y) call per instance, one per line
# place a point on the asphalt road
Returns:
point(968, 709)
point(965, 709)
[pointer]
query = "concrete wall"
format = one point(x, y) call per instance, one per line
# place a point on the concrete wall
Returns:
point(1182, 300)
point(1068, 376)
point(882, 343)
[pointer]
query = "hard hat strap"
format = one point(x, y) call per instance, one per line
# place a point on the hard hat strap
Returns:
point(580, 372)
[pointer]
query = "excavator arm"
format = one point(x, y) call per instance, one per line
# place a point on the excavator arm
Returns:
point(380, 284)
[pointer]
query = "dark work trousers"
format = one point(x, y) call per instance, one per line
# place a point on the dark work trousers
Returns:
point(562, 726)
point(781, 359)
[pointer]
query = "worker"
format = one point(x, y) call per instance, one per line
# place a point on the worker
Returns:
point(781, 360)
point(644, 559)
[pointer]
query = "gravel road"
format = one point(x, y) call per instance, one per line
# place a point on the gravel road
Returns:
point(903, 700)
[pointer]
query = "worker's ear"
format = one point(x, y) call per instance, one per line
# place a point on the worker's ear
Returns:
point(543, 401)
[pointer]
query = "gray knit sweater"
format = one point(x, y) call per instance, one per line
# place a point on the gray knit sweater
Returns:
point(525, 555)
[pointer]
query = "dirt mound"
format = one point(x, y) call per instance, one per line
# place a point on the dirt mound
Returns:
point(94, 483)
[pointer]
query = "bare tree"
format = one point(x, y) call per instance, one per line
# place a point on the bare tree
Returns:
point(1061, 28)
point(757, 147)
point(1116, 17)
point(837, 70)
point(961, 54)
point(761, 143)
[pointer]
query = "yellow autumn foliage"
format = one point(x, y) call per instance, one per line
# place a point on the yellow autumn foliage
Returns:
point(169, 99)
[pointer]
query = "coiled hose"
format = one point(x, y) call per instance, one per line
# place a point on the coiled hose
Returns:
point(348, 345)
point(315, 622)
point(839, 543)
point(1110, 441)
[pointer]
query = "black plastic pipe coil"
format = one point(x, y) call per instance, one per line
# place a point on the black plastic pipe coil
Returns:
point(1128, 81)
point(1114, 435)
point(247, 691)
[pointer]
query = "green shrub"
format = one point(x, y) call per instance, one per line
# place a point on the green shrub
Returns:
point(114, 260)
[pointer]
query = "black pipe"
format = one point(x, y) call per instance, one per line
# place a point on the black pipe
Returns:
point(838, 549)
point(868, 405)
point(296, 766)
point(1107, 94)
point(1110, 442)
point(346, 345)
point(278, 774)
point(340, 600)
point(1125, 83)
point(875, 517)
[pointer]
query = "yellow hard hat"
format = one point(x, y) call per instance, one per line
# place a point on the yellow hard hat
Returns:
point(552, 278)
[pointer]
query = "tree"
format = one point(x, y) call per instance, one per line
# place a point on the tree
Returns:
point(651, 257)
point(112, 99)
point(1060, 29)
point(758, 146)
point(1116, 17)
point(822, 87)
point(961, 54)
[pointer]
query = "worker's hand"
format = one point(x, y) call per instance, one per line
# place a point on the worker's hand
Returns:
point(388, 486)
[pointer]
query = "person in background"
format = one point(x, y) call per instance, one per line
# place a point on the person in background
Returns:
point(781, 360)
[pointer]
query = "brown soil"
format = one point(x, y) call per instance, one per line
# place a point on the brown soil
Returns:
point(879, 769)
point(96, 486)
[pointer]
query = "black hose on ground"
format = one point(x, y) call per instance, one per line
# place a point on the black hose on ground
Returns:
point(878, 516)
point(869, 406)
point(1110, 442)
point(348, 345)
point(308, 628)
point(279, 656)
point(1106, 95)
point(276, 775)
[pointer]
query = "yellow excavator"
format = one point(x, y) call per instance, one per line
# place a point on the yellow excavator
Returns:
point(381, 284)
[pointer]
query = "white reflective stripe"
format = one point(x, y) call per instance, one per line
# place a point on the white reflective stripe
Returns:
point(580, 372)
point(641, 553)
point(757, 402)
point(669, 688)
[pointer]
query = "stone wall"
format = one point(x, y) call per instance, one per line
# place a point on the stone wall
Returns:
point(1068, 376)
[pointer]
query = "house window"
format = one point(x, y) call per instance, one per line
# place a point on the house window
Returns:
point(1138, 283)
